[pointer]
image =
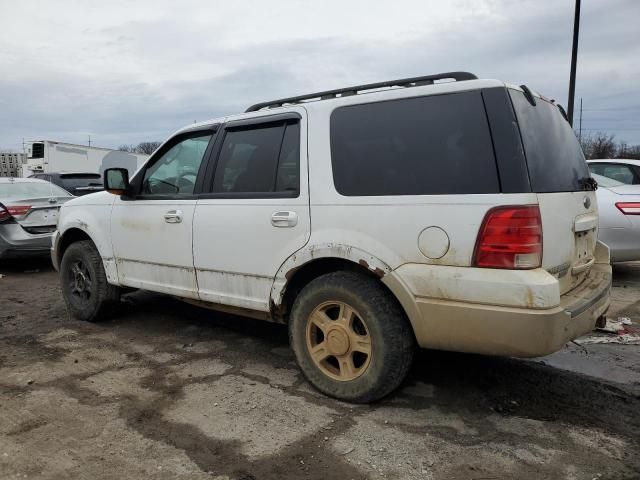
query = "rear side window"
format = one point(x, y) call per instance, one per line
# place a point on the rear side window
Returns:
point(554, 156)
point(621, 173)
point(259, 159)
point(417, 146)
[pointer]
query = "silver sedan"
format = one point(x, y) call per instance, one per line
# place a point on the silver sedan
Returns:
point(619, 224)
point(28, 215)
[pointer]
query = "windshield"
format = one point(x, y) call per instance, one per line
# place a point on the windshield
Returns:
point(606, 181)
point(554, 156)
point(13, 191)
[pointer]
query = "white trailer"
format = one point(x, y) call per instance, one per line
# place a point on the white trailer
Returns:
point(49, 156)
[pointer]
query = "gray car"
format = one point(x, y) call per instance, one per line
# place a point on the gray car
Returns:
point(28, 215)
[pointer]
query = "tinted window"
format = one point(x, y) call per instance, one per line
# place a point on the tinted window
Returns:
point(260, 159)
point(288, 178)
point(175, 172)
point(75, 180)
point(417, 146)
point(554, 156)
point(621, 173)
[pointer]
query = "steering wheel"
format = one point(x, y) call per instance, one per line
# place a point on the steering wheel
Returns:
point(183, 182)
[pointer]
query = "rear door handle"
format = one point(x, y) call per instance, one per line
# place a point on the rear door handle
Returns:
point(173, 216)
point(284, 219)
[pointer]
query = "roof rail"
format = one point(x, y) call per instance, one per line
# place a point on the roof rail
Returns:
point(344, 92)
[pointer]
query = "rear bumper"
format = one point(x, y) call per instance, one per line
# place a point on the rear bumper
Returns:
point(450, 324)
point(15, 242)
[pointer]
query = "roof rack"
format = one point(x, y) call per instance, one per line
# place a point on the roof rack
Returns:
point(345, 92)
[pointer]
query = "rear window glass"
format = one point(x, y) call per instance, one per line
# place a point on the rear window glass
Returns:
point(75, 182)
point(605, 181)
point(415, 146)
point(621, 173)
point(26, 190)
point(88, 176)
point(554, 156)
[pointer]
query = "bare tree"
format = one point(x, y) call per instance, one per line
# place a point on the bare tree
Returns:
point(147, 147)
point(599, 145)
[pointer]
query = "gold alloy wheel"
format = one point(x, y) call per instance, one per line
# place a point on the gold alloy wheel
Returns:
point(338, 341)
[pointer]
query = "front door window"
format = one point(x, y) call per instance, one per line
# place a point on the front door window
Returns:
point(175, 172)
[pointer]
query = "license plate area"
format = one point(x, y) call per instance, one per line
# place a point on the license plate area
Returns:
point(585, 245)
point(40, 217)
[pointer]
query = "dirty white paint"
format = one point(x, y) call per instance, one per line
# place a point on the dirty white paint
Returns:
point(237, 249)
point(90, 214)
point(514, 288)
point(433, 242)
point(569, 232)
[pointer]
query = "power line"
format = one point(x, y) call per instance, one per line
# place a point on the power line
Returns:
point(613, 109)
point(612, 129)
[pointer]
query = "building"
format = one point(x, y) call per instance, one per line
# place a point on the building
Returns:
point(11, 164)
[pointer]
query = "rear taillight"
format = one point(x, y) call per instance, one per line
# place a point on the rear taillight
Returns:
point(629, 208)
point(510, 237)
point(10, 211)
point(4, 213)
point(17, 210)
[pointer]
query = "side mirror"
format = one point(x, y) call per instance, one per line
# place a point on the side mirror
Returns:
point(116, 181)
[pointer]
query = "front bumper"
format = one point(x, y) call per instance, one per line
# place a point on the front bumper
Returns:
point(528, 331)
point(15, 242)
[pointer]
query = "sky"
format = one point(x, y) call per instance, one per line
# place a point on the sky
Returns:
point(125, 72)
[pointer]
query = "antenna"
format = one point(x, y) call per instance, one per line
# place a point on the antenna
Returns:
point(580, 131)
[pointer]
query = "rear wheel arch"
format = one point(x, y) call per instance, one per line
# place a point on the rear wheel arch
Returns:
point(298, 277)
point(324, 253)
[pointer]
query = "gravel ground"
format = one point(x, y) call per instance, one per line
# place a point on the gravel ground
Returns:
point(167, 390)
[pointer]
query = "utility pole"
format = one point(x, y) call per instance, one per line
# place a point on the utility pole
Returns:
point(574, 59)
point(580, 130)
point(89, 140)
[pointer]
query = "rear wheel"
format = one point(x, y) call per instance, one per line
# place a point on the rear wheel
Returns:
point(85, 289)
point(351, 338)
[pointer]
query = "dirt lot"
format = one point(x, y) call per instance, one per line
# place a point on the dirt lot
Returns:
point(166, 390)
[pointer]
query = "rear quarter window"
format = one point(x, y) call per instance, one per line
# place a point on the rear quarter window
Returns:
point(416, 146)
point(554, 157)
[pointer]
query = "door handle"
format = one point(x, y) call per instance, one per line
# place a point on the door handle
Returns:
point(173, 216)
point(284, 219)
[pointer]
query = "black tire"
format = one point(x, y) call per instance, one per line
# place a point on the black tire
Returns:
point(392, 342)
point(97, 300)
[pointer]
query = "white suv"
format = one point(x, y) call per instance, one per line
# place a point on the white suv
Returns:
point(443, 211)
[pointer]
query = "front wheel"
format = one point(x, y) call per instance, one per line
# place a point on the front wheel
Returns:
point(350, 337)
point(85, 289)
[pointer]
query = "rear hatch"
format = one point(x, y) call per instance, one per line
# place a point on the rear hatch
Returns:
point(560, 177)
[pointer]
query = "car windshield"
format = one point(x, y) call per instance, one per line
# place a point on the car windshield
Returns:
point(606, 181)
point(12, 191)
